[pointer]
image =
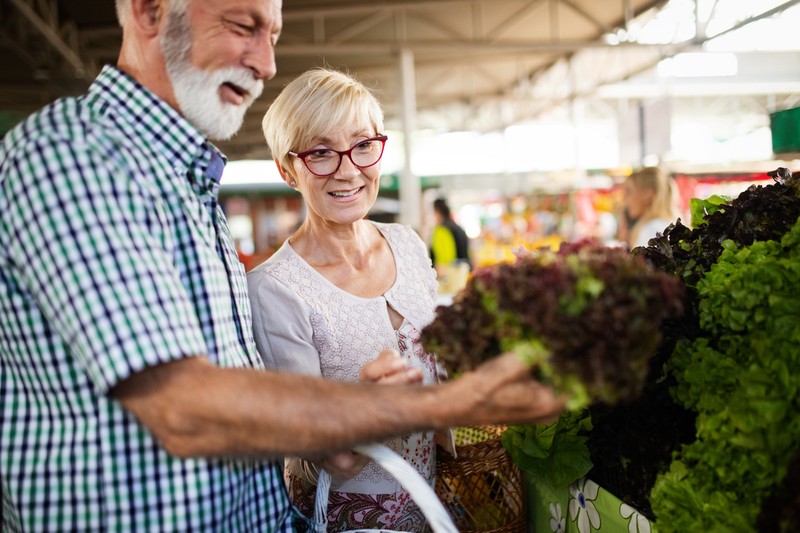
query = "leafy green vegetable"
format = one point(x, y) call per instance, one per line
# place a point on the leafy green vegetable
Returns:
point(700, 208)
point(743, 379)
point(717, 421)
point(760, 213)
point(632, 443)
point(555, 455)
point(586, 318)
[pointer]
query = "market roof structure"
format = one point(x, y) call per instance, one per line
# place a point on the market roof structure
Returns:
point(464, 64)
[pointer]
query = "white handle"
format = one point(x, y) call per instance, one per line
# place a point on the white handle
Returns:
point(419, 490)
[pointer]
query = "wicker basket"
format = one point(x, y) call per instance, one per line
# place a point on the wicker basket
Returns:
point(482, 488)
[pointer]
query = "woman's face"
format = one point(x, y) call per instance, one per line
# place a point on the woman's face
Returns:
point(347, 195)
point(637, 200)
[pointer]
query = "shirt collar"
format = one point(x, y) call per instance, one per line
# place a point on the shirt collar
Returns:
point(160, 125)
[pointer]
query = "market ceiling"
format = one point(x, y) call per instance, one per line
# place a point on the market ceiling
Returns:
point(477, 64)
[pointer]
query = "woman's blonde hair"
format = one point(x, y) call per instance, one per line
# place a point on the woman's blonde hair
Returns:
point(664, 203)
point(313, 105)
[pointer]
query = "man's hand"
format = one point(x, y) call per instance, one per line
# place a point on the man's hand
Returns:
point(504, 391)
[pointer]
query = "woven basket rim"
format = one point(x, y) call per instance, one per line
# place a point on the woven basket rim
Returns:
point(487, 463)
point(490, 450)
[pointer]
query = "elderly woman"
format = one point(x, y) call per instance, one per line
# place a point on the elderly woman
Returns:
point(342, 289)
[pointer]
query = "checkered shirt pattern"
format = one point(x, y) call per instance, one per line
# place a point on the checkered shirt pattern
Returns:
point(115, 256)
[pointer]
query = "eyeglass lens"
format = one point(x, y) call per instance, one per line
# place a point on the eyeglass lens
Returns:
point(364, 154)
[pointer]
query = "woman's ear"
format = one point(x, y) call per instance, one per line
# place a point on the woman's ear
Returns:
point(286, 176)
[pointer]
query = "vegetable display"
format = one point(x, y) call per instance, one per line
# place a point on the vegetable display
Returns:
point(742, 377)
point(708, 437)
point(707, 445)
point(587, 318)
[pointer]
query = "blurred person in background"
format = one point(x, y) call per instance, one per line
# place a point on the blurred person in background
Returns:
point(649, 205)
point(449, 242)
point(132, 394)
point(343, 288)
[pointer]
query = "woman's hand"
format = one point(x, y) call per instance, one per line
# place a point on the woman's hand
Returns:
point(387, 368)
point(344, 465)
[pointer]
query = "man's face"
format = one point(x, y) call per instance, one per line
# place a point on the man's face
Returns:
point(217, 54)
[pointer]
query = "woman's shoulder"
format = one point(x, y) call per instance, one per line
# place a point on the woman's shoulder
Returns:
point(655, 225)
point(286, 278)
point(649, 229)
point(285, 252)
point(285, 259)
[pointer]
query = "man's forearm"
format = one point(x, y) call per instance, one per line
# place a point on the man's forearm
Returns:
point(197, 409)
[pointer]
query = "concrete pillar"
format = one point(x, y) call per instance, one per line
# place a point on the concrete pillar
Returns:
point(409, 184)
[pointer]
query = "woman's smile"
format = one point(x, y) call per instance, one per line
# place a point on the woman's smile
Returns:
point(346, 195)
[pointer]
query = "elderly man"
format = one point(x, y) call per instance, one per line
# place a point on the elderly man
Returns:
point(132, 395)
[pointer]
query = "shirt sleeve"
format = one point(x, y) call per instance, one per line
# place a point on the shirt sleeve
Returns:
point(86, 242)
point(282, 325)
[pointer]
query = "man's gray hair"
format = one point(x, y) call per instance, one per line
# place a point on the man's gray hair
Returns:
point(124, 8)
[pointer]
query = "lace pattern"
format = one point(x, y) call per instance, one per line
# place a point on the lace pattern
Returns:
point(349, 331)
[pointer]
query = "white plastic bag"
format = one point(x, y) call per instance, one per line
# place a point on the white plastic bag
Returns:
point(422, 493)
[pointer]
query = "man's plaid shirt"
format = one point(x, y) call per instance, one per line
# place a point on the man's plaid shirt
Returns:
point(115, 256)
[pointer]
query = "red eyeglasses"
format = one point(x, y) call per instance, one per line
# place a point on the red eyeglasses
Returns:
point(326, 161)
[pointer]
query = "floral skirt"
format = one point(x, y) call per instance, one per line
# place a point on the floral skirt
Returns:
point(347, 510)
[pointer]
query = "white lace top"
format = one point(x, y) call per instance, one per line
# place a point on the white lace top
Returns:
point(303, 323)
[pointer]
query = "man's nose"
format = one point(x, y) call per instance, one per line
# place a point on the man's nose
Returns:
point(261, 60)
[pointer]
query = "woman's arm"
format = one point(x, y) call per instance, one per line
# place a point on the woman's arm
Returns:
point(282, 327)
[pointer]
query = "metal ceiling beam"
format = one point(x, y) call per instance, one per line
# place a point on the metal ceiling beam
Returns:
point(45, 22)
point(495, 33)
point(431, 23)
point(343, 9)
point(360, 26)
point(583, 13)
point(460, 47)
point(376, 48)
point(545, 104)
point(766, 14)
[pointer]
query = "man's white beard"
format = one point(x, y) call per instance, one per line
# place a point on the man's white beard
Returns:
point(197, 91)
point(197, 94)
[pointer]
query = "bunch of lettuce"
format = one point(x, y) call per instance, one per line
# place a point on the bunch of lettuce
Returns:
point(587, 318)
point(742, 378)
point(760, 213)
